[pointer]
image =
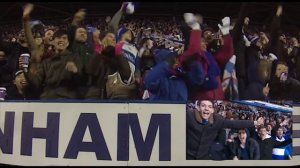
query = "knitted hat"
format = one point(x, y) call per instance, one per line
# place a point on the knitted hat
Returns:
point(36, 23)
point(37, 26)
point(253, 39)
point(122, 31)
point(162, 54)
point(18, 73)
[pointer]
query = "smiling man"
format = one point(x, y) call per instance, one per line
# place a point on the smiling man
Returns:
point(203, 125)
point(21, 90)
point(58, 76)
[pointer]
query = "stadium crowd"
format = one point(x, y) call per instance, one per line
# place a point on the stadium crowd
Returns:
point(183, 59)
point(150, 59)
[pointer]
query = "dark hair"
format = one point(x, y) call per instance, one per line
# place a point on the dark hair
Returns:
point(281, 127)
point(207, 28)
point(262, 127)
point(132, 36)
point(251, 30)
point(143, 41)
point(60, 33)
point(244, 129)
point(213, 102)
point(38, 29)
point(282, 62)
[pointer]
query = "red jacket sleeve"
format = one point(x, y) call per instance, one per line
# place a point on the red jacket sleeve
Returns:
point(223, 56)
point(194, 48)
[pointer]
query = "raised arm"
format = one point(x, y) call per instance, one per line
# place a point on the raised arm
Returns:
point(35, 78)
point(78, 18)
point(194, 39)
point(226, 52)
point(26, 26)
point(275, 26)
point(113, 25)
point(278, 144)
point(275, 45)
point(237, 124)
point(237, 31)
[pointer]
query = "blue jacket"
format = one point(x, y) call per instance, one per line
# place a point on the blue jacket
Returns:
point(166, 83)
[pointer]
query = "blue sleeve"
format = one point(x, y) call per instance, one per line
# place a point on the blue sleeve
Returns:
point(137, 63)
point(289, 150)
point(195, 75)
point(210, 83)
point(213, 72)
point(153, 78)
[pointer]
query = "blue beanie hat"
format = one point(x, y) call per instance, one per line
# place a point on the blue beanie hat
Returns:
point(120, 33)
point(91, 29)
point(162, 54)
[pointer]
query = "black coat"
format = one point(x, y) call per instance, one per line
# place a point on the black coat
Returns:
point(251, 145)
point(266, 146)
point(29, 94)
point(284, 91)
point(199, 137)
point(13, 52)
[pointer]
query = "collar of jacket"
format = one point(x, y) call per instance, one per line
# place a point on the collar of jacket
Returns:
point(66, 52)
point(199, 119)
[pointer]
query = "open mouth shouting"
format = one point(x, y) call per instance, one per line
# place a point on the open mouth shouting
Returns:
point(205, 114)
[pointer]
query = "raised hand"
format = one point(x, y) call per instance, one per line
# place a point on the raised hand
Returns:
point(127, 7)
point(266, 90)
point(259, 121)
point(191, 21)
point(246, 21)
point(279, 10)
point(285, 122)
point(80, 14)
point(225, 27)
point(28, 8)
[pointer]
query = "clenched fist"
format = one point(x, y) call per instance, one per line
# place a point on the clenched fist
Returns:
point(71, 67)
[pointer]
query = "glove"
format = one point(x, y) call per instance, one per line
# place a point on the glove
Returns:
point(191, 21)
point(225, 26)
point(128, 7)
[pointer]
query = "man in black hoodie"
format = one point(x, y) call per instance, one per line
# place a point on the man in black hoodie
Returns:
point(245, 147)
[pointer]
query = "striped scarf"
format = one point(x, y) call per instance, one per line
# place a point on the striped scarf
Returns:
point(230, 82)
point(279, 153)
